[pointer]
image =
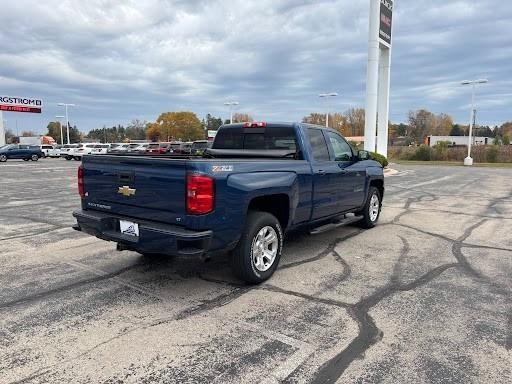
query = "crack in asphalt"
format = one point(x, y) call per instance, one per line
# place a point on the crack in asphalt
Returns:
point(32, 220)
point(369, 334)
point(42, 232)
point(44, 294)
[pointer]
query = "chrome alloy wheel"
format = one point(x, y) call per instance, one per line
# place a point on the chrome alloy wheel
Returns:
point(374, 207)
point(264, 248)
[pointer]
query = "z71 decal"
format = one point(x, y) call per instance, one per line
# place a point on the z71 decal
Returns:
point(222, 168)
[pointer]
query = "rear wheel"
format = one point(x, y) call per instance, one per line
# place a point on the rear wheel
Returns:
point(34, 157)
point(77, 158)
point(258, 252)
point(371, 210)
point(68, 157)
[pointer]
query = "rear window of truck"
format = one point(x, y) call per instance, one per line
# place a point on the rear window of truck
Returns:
point(275, 138)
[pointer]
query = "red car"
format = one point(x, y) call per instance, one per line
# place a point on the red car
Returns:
point(158, 148)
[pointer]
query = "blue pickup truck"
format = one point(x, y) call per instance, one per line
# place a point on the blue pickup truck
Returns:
point(258, 182)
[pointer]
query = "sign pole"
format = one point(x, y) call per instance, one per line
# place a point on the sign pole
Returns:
point(378, 76)
point(383, 114)
point(372, 82)
point(2, 130)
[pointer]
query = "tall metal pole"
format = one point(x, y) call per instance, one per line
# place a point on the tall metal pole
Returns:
point(231, 104)
point(471, 118)
point(327, 96)
point(66, 105)
point(469, 160)
point(59, 119)
point(372, 81)
point(67, 123)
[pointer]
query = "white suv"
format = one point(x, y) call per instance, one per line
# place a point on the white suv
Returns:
point(67, 151)
point(83, 149)
point(100, 149)
point(46, 149)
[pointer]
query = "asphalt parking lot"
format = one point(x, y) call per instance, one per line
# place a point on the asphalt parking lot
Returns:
point(425, 297)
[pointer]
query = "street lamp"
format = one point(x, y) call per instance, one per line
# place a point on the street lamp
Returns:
point(231, 104)
point(468, 160)
point(59, 118)
point(67, 117)
point(327, 96)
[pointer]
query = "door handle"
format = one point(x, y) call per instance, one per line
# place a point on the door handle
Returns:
point(321, 172)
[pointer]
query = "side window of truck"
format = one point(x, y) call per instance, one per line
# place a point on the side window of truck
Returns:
point(341, 149)
point(318, 144)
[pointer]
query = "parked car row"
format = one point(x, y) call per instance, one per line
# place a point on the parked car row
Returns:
point(76, 151)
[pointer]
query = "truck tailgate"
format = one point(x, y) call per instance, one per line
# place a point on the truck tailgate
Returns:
point(144, 187)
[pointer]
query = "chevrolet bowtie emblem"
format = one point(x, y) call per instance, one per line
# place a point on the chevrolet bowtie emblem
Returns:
point(126, 191)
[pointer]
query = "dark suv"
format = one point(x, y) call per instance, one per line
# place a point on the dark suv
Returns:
point(25, 152)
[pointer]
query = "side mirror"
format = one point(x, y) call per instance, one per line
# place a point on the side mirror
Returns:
point(363, 155)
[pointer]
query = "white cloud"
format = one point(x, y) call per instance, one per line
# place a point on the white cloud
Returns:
point(138, 58)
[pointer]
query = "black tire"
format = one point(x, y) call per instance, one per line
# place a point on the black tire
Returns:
point(68, 157)
point(242, 258)
point(77, 158)
point(26, 159)
point(3, 158)
point(34, 158)
point(369, 221)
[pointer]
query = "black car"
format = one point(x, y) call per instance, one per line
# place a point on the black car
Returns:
point(25, 152)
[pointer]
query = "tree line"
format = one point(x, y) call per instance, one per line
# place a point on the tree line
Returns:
point(169, 126)
point(186, 126)
point(420, 123)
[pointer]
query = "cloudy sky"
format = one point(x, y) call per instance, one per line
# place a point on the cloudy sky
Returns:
point(126, 59)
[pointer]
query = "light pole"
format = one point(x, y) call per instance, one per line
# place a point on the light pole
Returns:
point(65, 105)
point(231, 104)
point(327, 96)
point(468, 160)
point(59, 119)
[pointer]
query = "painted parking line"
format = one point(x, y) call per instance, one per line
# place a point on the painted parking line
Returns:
point(434, 181)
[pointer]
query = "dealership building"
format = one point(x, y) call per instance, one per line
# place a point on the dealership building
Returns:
point(458, 140)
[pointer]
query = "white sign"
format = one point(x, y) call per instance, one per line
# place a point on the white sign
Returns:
point(20, 104)
point(212, 134)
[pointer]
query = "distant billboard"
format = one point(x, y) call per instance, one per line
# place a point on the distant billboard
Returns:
point(386, 22)
point(20, 104)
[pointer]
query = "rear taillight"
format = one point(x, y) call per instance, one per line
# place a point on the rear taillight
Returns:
point(81, 186)
point(200, 194)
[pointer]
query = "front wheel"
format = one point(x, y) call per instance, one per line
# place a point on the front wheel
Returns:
point(371, 210)
point(3, 158)
point(34, 157)
point(258, 252)
point(68, 157)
